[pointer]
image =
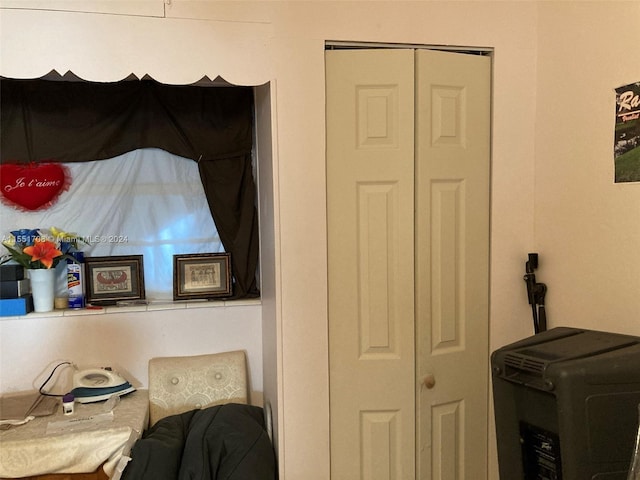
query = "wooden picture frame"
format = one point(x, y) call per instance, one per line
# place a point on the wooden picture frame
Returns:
point(113, 279)
point(201, 276)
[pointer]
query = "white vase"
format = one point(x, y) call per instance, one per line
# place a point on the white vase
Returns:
point(42, 288)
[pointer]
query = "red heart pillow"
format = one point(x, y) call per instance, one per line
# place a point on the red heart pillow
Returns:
point(33, 186)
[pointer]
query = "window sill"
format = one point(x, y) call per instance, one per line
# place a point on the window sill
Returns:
point(152, 306)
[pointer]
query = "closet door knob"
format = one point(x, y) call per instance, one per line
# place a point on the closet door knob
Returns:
point(429, 381)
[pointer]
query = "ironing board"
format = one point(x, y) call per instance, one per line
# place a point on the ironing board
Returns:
point(46, 446)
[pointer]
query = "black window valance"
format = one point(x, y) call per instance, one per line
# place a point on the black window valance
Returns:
point(75, 121)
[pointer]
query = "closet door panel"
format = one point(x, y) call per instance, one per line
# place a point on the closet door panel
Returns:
point(370, 190)
point(452, 263)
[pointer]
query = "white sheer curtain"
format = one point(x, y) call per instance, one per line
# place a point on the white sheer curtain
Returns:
point(147, 202)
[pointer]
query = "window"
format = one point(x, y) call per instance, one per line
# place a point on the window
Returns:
point(147, 202)
point(73, 121)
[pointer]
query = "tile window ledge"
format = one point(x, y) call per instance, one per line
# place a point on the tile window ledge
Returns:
point(152, 306)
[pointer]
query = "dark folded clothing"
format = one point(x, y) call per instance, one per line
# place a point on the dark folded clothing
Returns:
point(224, 442)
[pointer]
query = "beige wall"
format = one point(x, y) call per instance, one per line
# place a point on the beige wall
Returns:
point(587, 228)
point(125, 340)
point(552, 140)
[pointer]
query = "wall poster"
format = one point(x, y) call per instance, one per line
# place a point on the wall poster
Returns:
point(626, 146)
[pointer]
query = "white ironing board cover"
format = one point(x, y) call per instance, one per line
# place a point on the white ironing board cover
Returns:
point(28, 450)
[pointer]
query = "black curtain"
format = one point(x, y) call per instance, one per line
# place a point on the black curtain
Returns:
point(69, 121)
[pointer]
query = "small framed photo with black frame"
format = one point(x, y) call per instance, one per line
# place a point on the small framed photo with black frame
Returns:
point(201, 276)
point(111, 280)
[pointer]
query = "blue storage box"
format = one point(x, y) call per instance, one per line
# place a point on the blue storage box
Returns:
point(11, 307)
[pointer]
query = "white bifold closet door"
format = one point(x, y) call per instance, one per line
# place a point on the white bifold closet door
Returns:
point(408, 233)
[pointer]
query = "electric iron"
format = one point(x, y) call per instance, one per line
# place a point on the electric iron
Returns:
point(97, 384)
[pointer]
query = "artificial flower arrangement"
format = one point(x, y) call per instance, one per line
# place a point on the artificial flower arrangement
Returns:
point(39, 248)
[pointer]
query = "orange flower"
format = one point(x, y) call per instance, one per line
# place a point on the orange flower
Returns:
point(43, 250)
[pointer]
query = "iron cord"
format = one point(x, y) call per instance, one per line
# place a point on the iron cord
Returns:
point(49, 378)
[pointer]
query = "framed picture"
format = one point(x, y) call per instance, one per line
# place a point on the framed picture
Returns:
point(201, 275)
point(113, 279)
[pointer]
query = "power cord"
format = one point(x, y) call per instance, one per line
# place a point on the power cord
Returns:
point(49, 378)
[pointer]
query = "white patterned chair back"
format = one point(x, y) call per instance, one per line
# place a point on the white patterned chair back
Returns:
point(180, 384)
